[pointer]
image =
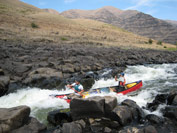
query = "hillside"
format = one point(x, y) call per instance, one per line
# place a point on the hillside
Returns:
point(131, 20)
point(52, 11)
point(172, 22)
point(24, 23)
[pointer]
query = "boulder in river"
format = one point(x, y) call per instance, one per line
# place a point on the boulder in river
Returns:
point(58, 117)
point(110, 103)
point(13, 118)
point(171, 112)
point(137, 112)
point(90, 107)
point(122, 114)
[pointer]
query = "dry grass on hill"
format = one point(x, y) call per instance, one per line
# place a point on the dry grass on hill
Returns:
point(25, 23)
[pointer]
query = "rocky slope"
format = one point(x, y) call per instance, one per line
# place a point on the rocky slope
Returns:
point(134, 21)
point(172, 22)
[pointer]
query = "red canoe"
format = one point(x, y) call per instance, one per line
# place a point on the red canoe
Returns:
point(129, 88)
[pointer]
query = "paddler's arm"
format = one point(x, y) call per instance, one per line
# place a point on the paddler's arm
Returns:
point(80, 93)
point(116, 78)
point(69, 86)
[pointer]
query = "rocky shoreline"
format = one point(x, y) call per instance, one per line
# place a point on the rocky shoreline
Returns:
point(53, 65)
point(96, 115)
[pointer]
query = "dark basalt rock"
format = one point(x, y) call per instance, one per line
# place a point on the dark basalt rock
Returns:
point(4, 82)
point(132, 130)
point(90, 107)
point(136, 110)
point(58, 117)
point(44, 78)
point(159, 99)
point(122, 114)
point(175, 101)
point(110, 103)
point(153, 119)
point(74, 127)
point(171, 112)
point(1, 72)
point(13, 118)
point(32, 126)
point(171, 97)
point(150, 129)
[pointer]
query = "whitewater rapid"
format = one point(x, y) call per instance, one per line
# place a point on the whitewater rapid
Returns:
point(156, 79)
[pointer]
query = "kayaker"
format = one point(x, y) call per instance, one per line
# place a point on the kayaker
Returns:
point(77, 87)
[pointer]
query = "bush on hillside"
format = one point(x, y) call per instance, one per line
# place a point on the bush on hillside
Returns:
point(33, 25)
point(159, 42)
point(150, 41)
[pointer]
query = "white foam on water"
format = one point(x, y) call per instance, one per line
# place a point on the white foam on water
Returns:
point(104, 83)
point(149, 74)
point(37, 99)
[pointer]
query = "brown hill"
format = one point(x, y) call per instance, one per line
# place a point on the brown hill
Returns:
point(52, 11)
point(25, 23)
point(131, 20)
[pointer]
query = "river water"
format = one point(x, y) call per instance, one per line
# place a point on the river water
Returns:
point(156, 79)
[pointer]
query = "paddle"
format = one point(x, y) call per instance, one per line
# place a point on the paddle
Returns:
point(75, 91)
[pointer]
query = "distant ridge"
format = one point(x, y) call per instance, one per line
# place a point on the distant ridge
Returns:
point(24, 23)
point(131, 20)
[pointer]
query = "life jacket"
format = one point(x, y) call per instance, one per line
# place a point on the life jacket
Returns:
point(76, 87)
point(122, 83)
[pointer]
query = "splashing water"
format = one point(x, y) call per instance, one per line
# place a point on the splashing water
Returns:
point(156, 79)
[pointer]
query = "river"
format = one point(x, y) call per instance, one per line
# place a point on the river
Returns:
point(156, 79)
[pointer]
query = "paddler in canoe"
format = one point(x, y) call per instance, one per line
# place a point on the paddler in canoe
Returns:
point(77, 87)
point(121, 83)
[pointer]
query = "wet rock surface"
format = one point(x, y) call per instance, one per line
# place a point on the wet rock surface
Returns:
point(54, 65)
point(123, 118)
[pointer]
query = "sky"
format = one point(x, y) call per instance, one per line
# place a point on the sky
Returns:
point(162, 9)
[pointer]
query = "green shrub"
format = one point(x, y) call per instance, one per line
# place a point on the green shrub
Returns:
point(33, 25)
point(150, 41)
point(165, 46)
point(159, 42)
point(63, 39)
